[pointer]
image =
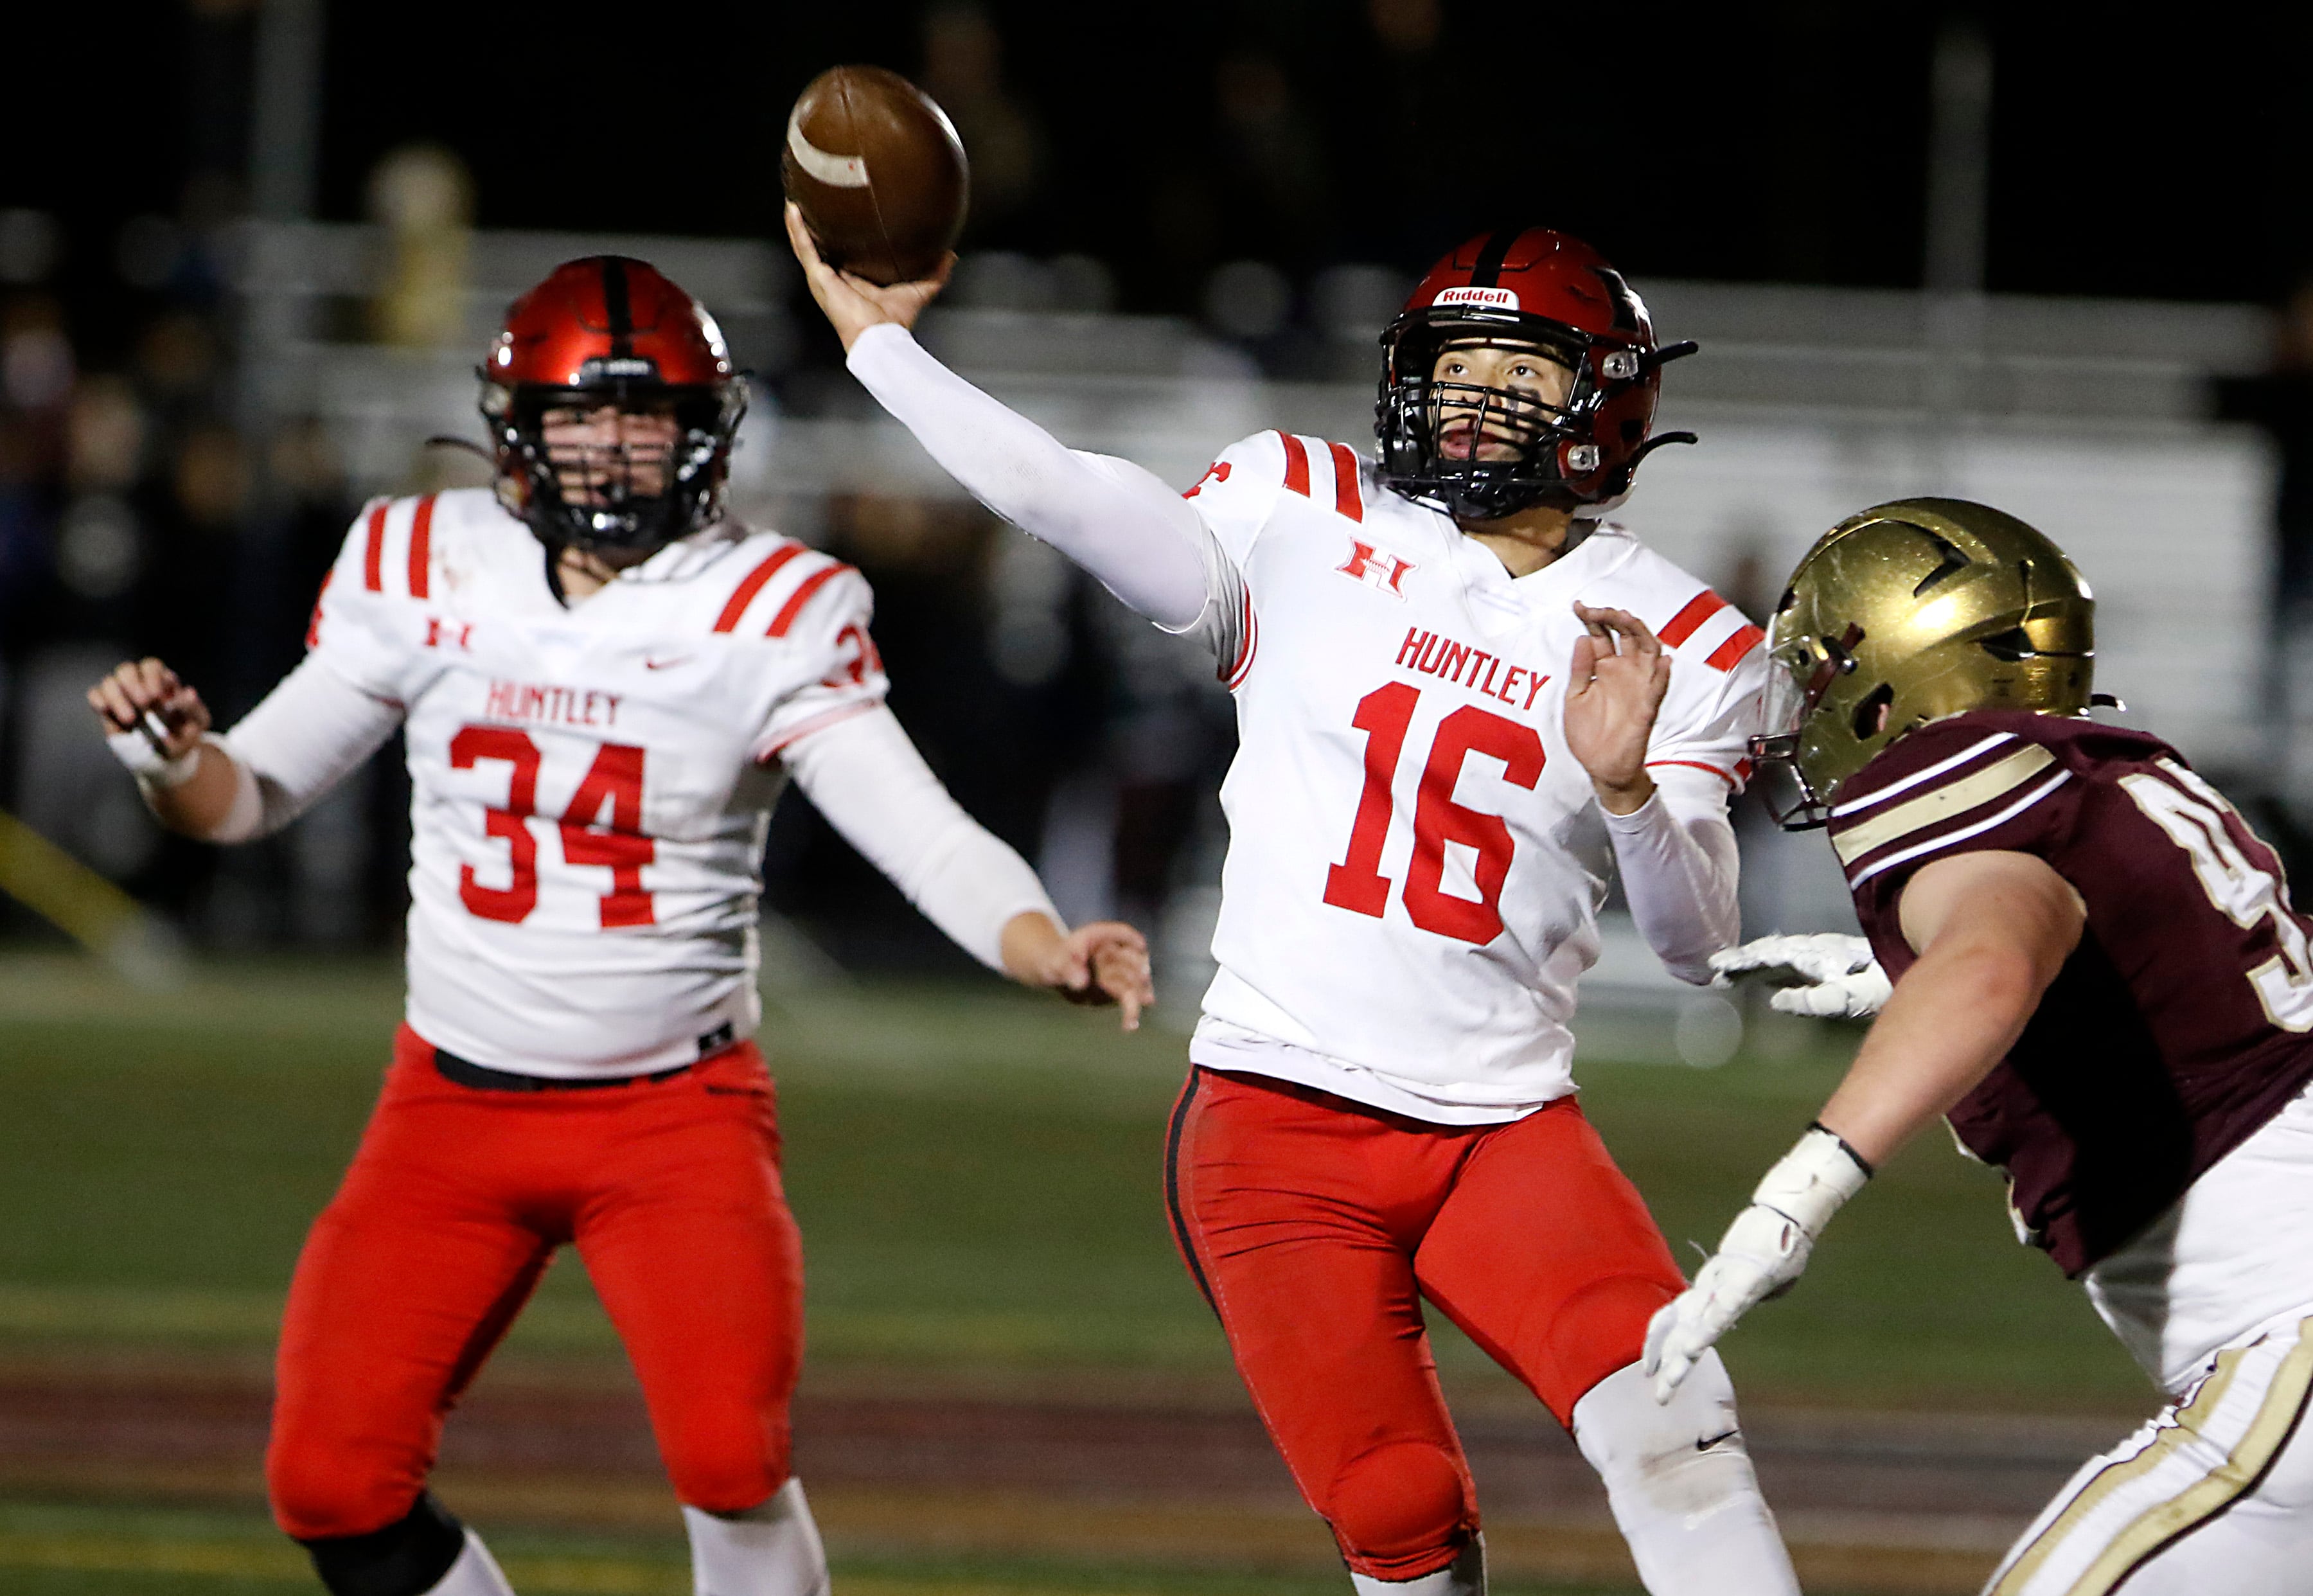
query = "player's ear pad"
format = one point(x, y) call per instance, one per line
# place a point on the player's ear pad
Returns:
point(406, 1558)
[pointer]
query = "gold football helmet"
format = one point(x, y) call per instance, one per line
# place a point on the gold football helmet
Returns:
point(1906, 613)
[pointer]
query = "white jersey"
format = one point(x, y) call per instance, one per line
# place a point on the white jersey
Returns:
point(1415, 859)
point(590, 785)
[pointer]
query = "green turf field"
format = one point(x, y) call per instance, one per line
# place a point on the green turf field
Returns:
point(47, 1550)
point(976, 1172)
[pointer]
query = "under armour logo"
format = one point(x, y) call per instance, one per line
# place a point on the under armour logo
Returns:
point(1377, 569)
point(440, 633)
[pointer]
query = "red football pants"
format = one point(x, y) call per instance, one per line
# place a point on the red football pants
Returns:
point(454, 1205)
point(1314, 1226)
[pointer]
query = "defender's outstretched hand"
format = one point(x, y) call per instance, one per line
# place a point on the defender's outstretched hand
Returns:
point(1761, 1255)
point(1614, 685)
point(1838, 978)
point(1103, 962)
point(853, 304)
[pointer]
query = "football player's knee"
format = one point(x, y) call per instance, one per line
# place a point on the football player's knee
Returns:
point(726, 1466)
point(1681, 1456)
point(1401, 1509)
point(318, 1494)
point(406, 1557)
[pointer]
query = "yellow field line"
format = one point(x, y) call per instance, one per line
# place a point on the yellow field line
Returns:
point(89, 1554)
point(256, 1315)
point(52, 883)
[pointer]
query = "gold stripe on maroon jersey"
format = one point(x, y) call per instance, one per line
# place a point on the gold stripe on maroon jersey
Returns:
point(1943, 803)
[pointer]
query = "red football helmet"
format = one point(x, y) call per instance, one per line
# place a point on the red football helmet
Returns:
point(609, 331)
point(1533, 287)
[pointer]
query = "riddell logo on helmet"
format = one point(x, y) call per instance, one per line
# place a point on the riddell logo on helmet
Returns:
point(617, 366)
point(1500, 298)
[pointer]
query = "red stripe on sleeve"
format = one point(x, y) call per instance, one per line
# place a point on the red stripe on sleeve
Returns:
point(1684, 625)
point(314, 627)
point(374, 557)
point(1696, 764)
point(421, 547)
point(1346, 500)
point(801, 597)
point(1235, 678)
point(744, 594)
point(1296, 464)
point(1725, 656)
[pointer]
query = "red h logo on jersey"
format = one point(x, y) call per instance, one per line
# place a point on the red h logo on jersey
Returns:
point(1377, 569)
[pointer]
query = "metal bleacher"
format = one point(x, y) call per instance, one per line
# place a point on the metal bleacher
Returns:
point(2087, 418)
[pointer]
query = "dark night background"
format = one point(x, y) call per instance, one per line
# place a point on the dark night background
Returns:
point(1768, 144)
point(1782, 143)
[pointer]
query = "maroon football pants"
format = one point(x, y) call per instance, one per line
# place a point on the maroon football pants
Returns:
point(1316, 1227)
point(454, 1203)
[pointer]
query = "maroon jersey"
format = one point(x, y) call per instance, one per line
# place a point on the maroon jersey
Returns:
point(2180, 1023)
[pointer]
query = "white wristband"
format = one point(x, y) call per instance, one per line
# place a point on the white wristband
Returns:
point(1812, 1181)
point(149, 765)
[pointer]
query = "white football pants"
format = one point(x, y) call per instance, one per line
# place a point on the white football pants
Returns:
point(2215, 1495)
point(2215, 1301)
point(1679, 1481)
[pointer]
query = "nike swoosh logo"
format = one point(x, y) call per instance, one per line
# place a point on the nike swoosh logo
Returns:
point(1704, 1446)
point(660, 664)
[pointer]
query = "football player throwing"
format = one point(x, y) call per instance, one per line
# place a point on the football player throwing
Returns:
point(595, 737)
point(2100, 982)
point(1465, 702)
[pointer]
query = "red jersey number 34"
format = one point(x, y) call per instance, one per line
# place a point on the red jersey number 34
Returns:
point(614, 782)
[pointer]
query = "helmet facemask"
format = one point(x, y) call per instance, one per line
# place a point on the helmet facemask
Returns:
point(1420, 415)
point(1799, 674)
point(624, 496)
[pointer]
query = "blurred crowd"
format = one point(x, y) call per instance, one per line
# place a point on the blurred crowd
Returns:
point(154, 501)
point(1271, 182)
point(140, 513)
point(146, 506)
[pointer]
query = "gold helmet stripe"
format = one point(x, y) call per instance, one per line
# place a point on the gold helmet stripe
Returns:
point(1945, 802)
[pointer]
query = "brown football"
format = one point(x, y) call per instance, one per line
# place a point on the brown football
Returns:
point(878, 173)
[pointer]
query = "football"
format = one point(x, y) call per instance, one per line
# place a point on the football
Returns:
point(878, 173)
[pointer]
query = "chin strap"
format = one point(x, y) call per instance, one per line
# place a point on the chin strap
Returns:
point(554, 572)
point(1657, 442)
point(443, 440)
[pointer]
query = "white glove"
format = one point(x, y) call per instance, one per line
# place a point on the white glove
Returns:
point(1760, 1256)
point(1840, 979)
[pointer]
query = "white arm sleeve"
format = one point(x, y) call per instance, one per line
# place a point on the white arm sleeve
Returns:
point(869, 781)
point(1142, 540)
point(309, 732)
point(1677, 859)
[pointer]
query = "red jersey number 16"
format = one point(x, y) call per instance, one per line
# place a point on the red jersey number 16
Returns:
point(1357, 883)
